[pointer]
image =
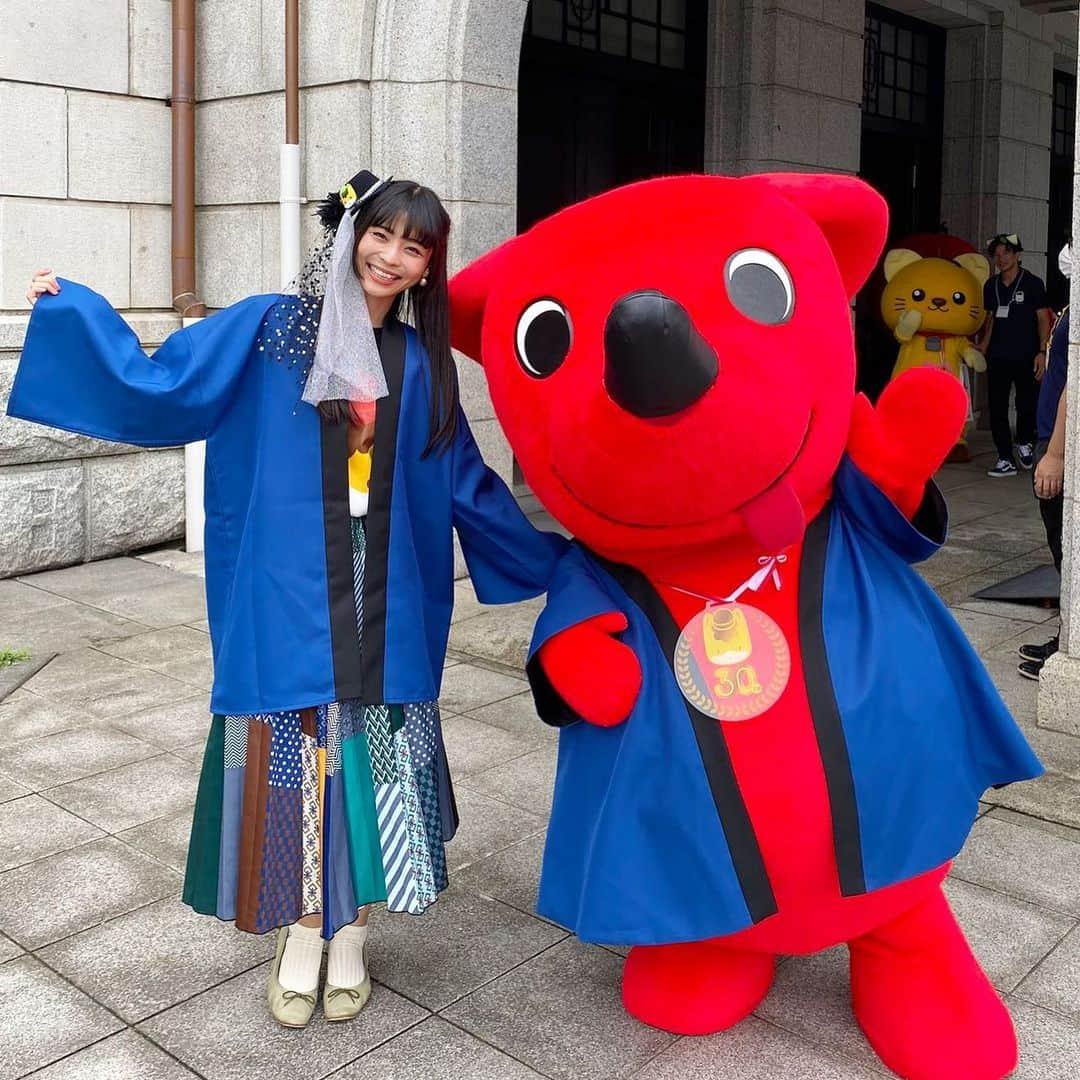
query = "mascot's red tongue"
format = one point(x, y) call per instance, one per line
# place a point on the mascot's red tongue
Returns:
point(775, 518)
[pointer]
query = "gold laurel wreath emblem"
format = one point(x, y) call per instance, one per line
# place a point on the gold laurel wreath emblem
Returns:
point(749, 707)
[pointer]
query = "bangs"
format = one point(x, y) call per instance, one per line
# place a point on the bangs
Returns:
point(415, 209)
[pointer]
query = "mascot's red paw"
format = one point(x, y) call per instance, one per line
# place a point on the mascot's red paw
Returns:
point(597, 676)
point(902, 442)
point(695, 988)
point(924, 1003)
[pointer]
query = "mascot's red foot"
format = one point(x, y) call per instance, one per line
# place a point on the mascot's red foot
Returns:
point(951, 1023)
point(695, 988)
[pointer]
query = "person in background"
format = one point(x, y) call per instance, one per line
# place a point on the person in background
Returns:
point(1049, 476)
point(1013, 342)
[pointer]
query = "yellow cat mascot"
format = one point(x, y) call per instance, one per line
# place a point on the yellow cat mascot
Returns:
point(933, 306)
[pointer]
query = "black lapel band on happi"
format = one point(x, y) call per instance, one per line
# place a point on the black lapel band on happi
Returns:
point(724, 786)
point(832, 745)
point(380, 497)
point(337, 528)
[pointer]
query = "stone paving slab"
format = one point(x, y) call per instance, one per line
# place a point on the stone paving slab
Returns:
point(226, 1033)
point(24, 715)
point(488, 826)
point(33, 828)
point(548, 1014)
point(466, 687)
point(1049, 1044)
point(463, 942)
point(125, 1056)
point(1024, 863)
point(754, 1050)
point(106, 686)
point(179, 954)
point(9, 949)
point(63, 894)
point(1055, 983)
point(70, 755)
point(527, 781)
point(517, 715)
point(169, 726)
point(441, 1052)
point(132, 794)
point(165, 839)
point(45, 1018)
point(473, 746)
point(1008, 936)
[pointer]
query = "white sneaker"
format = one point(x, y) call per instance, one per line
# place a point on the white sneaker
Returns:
point(1025, 454)
point(1002, 468)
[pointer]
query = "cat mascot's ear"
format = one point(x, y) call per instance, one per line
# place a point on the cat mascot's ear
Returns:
point(898, 258)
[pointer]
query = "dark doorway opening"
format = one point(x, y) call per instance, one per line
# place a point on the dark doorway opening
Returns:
point(903, 95)
point(1061, 185)
point(611, 91)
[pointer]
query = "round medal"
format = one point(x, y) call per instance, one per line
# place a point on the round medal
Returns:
point(732, 661)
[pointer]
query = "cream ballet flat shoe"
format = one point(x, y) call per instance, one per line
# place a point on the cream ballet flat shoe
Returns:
point(345, 1002)
point(289, 1008)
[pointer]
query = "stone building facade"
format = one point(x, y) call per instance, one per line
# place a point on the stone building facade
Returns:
point(430, 89)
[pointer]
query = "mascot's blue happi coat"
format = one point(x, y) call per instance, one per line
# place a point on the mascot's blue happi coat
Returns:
point(910, 727)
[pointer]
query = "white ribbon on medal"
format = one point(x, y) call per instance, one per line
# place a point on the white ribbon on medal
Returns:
point(768, 567)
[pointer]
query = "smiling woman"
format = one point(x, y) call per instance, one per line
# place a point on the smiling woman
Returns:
point(329, 570)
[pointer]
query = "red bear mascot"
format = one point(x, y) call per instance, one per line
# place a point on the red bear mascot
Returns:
point(785, 735)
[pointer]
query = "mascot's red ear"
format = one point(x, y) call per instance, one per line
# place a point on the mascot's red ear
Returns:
point(469, 290)
point(851, 214)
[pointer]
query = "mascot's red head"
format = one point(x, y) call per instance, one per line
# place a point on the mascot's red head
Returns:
point(673, 361)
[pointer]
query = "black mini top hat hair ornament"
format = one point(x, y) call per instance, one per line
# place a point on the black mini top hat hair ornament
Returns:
point(350, 196)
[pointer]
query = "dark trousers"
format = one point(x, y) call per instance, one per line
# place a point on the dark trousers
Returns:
point(1002, 375)
point(1051, 510)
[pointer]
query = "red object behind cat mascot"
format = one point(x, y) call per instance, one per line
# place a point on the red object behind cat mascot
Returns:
point(673, 365)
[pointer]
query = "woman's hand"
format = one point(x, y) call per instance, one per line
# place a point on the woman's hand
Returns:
point(44, 281)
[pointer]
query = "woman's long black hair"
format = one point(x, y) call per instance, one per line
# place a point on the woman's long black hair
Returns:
point(423, 218)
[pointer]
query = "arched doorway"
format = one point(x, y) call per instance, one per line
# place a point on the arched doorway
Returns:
point(610, 91)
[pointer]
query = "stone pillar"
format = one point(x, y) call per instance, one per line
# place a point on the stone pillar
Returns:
point(784, 86)
point(444, 86)
point(998, 103)
point(1059, 682)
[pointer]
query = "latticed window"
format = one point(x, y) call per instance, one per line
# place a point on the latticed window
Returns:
point(897, 68)
point(650, 31)
point(1064, 114)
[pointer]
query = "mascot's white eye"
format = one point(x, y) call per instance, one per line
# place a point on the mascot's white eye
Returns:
point(543, 337)
point(760, 286)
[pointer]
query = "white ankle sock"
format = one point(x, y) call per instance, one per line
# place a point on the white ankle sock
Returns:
point(300, 962)
point(345, 957)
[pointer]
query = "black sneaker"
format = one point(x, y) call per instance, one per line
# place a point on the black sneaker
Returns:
point(1039, 652)
point(1025, 454)
point(1030, 669)
point(1002, 468)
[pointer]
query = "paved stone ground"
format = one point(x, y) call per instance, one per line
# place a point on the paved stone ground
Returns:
point(104, 974)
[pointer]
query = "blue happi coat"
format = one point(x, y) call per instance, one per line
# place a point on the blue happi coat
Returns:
point(650, 841)
point(279, 571)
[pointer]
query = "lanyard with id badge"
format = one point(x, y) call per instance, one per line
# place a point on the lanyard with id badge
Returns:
point(1016, 296)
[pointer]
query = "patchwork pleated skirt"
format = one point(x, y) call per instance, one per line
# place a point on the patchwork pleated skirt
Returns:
point(321, 810)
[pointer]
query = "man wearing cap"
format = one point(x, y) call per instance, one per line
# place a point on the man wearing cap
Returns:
point(1017, 326)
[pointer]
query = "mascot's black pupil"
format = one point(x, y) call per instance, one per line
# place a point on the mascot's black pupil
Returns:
point(547, 341)
point(758, 293)
point(918, 294)
point(958, 297)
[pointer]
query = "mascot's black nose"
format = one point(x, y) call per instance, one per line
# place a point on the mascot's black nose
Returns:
point(655, 361)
